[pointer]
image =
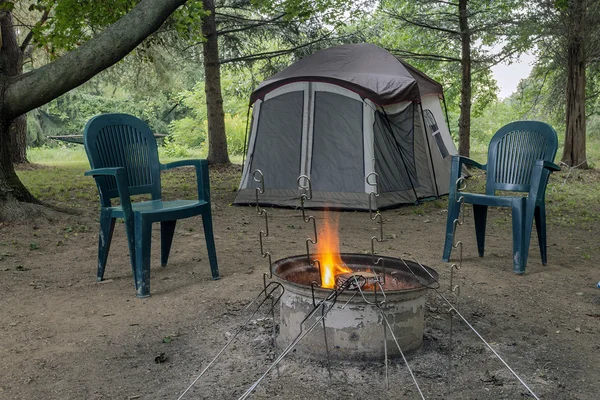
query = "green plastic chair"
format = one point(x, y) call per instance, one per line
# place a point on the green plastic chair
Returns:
point(124, 158)
point(520, 159)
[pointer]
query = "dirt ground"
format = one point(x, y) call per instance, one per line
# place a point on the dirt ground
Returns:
point(65, 336)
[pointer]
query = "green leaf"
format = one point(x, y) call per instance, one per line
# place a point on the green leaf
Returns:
point(7, 6)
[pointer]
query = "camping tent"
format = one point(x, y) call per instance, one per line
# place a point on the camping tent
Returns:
point(339, 115)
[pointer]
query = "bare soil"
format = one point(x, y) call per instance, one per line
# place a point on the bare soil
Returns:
point(66, 336)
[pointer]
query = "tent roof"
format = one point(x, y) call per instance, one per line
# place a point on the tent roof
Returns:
point(364, 68)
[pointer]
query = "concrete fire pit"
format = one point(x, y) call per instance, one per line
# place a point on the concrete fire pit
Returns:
point(354, 332)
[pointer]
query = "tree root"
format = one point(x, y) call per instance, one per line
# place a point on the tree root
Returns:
point(16, 211)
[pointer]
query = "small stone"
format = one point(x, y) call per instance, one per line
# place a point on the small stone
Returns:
point(557, 332)
point(578, 330)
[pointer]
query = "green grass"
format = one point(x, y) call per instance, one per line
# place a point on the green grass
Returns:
point(61, 181)
point(75, 154)
point(571, 198)
point(57, 155)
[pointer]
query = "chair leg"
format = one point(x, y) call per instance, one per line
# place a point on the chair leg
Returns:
point(540, 227)
point(143, 240)
point(210, 244)
point(130, 231)
point(167, 229)
point(520, 248)
point(107, 227)
point(480, 216)
point(453, 211)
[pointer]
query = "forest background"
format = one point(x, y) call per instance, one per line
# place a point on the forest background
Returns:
point(164, 80)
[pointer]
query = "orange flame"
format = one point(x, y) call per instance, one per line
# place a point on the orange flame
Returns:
point(328, 247)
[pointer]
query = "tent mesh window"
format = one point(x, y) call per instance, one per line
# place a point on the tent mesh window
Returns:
point(394, 150)
point(433, 130)
point(278, 140)
point(338, 149)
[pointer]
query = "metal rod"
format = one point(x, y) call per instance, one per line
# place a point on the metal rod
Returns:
point(259, 178)
point(473, 329)
point(375, 217)
point(379, 307)
point(460, 220)
point(305, 187)
point(385, 356)
point(332, 297)
point(412, 375)
point(268, 294)
point(326, 344)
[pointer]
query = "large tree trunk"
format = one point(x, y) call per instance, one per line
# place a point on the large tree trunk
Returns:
point(11, 188)
point(574, 151)
point(18, 134)
point(217, 140)
point(12, 65)
point(464, 122)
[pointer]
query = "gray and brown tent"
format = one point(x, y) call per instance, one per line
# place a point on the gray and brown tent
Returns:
point(340, 114)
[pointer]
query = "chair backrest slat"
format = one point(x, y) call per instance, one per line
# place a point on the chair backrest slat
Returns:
point(513, 151)
point(121, 140)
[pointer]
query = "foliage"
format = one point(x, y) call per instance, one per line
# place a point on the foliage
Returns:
point(154, 82)
point(68, 114)
point(192, 130)
point(73, 22)
point(302, 10)
point(428, 35)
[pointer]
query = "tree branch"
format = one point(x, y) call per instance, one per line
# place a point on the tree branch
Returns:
point(245, 28)
point(33, 89)
point(271, 54)
point(423, 56)
point(421, 24)
point(238, 17)
point(29, 36)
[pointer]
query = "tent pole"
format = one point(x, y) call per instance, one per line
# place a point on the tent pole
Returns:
point(437, 192)
point(246, 138)
point(446, 112)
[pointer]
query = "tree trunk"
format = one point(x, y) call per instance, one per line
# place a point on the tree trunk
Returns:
point(18, 134)
point(217, 140)
point(11, 188)
point(574, 151)
point(12, 65)
point(464, 122)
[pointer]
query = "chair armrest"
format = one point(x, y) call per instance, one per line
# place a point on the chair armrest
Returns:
point(105, 172)
point(202, 178)
point(183, 163)
point(471, 163)
point(456, 170)
point(548, 165)
point(120, 176)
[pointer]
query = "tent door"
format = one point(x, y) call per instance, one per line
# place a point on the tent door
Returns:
point(335, 149)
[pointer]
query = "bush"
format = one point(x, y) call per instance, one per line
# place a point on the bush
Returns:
point(235, 129)
point(188, 132)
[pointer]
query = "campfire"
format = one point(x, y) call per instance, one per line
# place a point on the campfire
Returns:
point(353, 326)
point(328, 247)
